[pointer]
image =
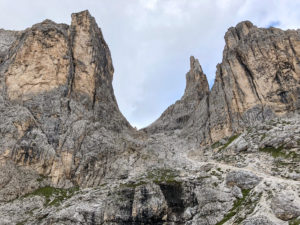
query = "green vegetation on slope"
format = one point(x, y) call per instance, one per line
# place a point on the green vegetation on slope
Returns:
point(237, 203)
point(163, 176)
point(230, 140)
point(278, 152)
point(294, 222)
point(157, 176)
point(53, 196)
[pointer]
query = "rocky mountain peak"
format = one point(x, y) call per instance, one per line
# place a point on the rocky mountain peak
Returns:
point(195, 65)
point(178, 114)
point(196, 81)
point(237, 33)
point(58, 78)
point(83, 18)
point(257, 79)
point(93, 67)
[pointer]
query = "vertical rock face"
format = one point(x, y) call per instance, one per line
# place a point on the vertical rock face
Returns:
point(58, 100)
point(93, 69)
point(259, 77)
point(38, 62)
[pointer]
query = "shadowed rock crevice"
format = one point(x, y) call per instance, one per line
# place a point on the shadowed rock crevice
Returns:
point(173, 195)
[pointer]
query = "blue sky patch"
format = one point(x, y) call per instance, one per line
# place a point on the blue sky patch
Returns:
point(274, 24)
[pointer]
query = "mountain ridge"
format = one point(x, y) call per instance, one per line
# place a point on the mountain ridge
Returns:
point(219, 156)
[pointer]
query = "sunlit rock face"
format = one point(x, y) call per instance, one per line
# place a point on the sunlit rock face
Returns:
point(57, 99)
point(229, 155)
point(259, 76)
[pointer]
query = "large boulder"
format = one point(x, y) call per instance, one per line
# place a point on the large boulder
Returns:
point(242, 179)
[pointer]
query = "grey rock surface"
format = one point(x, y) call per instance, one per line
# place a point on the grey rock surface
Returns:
point(242, 179)
point(286, 206)
point(262, 220)
point(7, 38)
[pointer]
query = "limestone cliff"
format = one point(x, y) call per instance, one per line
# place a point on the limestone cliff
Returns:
point(57, 100)
point(229, 155)
point(259, 77)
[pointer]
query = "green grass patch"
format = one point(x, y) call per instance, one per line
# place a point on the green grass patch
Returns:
point(230, 140)
point(216, 145)
point(279, 152)
point(53, 196)
point(294, 222)
point(163, 176)
point(286, 122)
point(157, 176)
point(248, 207)
point(133, 185)
point(22, 222)
point(41, 178)
point(275, 152)
point(237, 203)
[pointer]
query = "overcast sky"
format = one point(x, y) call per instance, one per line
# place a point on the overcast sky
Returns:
point(151, 40)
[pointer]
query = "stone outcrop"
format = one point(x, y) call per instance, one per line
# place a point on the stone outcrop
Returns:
point(229, 155)
point(242, 179)
point(286, 206)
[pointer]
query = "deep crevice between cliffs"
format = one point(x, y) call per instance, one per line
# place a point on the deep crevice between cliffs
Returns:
point(225, 96)
point(233, 93)
point(208, 120)
point(71, 68)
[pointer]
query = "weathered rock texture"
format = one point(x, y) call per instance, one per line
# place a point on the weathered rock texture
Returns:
point(229, 155)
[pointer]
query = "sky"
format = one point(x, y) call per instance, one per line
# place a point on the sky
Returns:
point(151, 40)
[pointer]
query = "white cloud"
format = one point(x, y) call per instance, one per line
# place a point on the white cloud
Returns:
point(151, 40)
point(149, 4)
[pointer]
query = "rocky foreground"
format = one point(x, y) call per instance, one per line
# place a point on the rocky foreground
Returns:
point(229, 155)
